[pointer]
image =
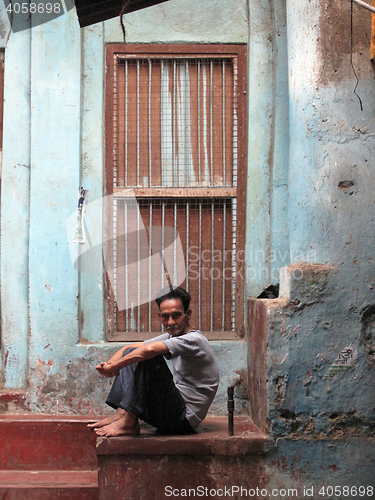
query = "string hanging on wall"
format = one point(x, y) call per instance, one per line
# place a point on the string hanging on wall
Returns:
point(351, 54)
point(122, 13)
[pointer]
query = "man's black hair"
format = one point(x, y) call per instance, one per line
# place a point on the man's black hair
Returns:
point(174, 293)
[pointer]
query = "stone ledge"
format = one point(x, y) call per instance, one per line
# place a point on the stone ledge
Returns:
point(210, 439)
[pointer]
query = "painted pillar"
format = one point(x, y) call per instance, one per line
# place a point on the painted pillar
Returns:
point(331, 143)
point(55, 159)
point(280, 255)
point(91, 314)
point(267, 193)
point(305, 64)
point(15, 211)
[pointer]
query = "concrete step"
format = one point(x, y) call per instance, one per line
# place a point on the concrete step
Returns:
point(47, 457)
point(49, 485)
point(46, 442)
point(153, 466)
point(49, 494)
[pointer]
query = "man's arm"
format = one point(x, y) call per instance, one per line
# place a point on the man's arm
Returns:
point(145, 351)
point(119, 354)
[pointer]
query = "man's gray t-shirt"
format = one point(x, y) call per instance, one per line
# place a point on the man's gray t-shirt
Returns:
point(195, 370)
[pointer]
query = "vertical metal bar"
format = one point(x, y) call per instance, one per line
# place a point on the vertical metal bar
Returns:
point(235, 122)
point(114, 177)
point(224, 261)
point(162, 240)
point(211, 125)
point(200, 266)
point(126, 120)
point(199, 123)
point(234, 258)
point(187, 244)
point(175, 245)
point(234, 202)
point(149, 125)
point(138, 97)
point(161, 121)
point(149, 267)
point(230, 404)
point(212, 262)
point(175, 124)
point(138, 267)
point(115, 257)
point(224, 125)
point(187, 126)
point(204, 118)
point(115, 119)
point(126, 265)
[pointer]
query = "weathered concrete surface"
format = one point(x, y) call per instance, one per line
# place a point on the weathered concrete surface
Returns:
point(320, 418)
point(202, 21)
point(305, 463)
point(15, 199)
point(330, 213)
point(305, 337)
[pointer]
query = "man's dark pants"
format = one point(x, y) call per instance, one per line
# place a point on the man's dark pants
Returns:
point(147, 390)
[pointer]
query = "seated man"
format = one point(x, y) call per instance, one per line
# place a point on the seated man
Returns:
point(144, 387)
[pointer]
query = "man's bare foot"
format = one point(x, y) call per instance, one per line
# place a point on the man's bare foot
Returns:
point(127, 425)
point(119, 413)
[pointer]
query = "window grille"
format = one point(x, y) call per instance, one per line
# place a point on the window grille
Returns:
point(173, 126)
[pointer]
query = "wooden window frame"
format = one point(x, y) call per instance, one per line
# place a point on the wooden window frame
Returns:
point(238, 51)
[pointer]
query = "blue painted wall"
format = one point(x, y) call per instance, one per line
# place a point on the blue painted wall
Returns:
point(310, 200)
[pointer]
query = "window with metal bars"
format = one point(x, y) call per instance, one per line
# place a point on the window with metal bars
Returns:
point(175, 172)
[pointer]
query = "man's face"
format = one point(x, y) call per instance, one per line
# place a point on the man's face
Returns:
point(173, 317)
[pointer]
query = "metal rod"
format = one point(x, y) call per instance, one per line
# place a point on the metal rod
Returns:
point(365, 5)
point(230, 411)
point(115, 256)
point(126, 265)
point(187, 244)
point(150, 281)
point(200, 267)
point(175, 233)
point(138, 127)
point(212, 262)
point(138, 268)
point(126, 123)
point(234, 258)
point(174, 126)
point(231, 405)
point(224, 264)
point(149, 125)
point(211, 125)
point(115, 122)
point(224, 138)
point(199, 123)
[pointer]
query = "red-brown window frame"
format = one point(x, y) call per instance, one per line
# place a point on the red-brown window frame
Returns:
point(173, 50)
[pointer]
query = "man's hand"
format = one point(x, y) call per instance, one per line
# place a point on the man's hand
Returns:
point(107, 369)
point(112, 367)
